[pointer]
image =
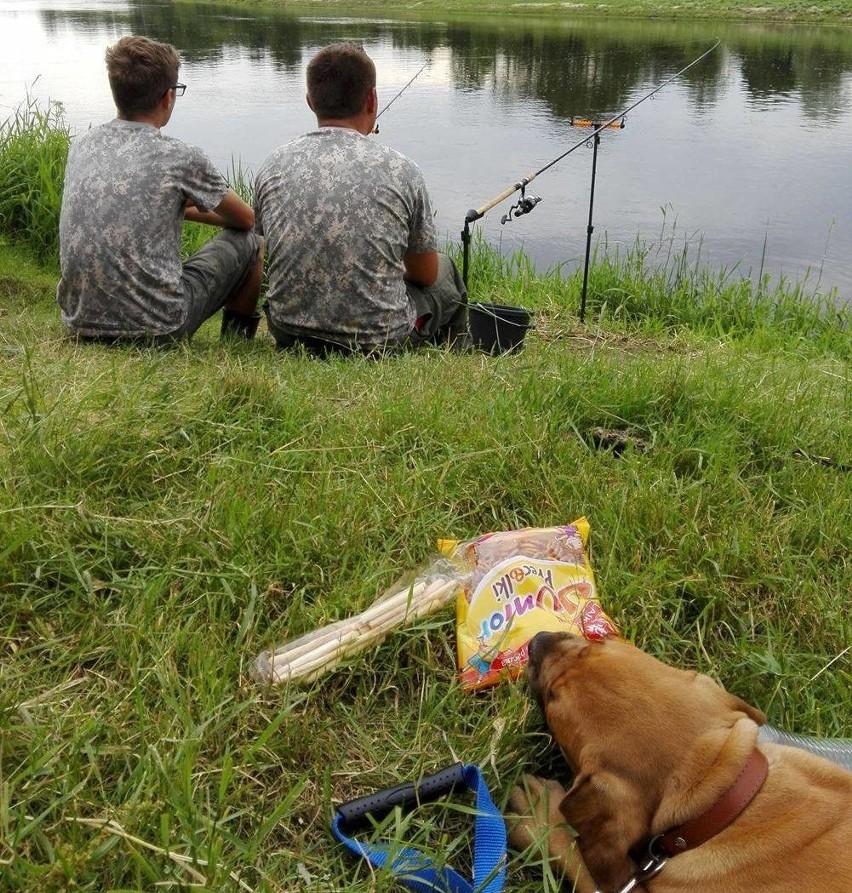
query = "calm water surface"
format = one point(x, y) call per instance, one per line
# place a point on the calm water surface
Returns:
point(746, 159)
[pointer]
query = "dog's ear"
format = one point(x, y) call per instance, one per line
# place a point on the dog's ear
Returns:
point(733, 702)
point(609, 817)
point(751, 712)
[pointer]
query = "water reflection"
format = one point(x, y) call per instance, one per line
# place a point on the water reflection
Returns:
point(721, 149)
point(568, 66)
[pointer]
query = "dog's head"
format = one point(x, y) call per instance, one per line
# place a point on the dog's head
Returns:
point(641, 737)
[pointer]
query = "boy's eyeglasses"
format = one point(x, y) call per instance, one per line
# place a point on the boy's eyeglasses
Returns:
point(179, 89)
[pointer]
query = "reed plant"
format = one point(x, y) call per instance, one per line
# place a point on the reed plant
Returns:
point(167, 515)
point(34, 145)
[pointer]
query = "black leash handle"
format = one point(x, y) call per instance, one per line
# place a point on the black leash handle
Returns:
point(354, 813)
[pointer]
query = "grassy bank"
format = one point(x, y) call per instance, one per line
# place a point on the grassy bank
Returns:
point(166, 515)
point(824, 11)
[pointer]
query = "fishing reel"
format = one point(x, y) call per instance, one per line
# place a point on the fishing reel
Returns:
point(524, 205)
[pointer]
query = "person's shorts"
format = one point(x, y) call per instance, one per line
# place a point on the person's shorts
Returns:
point(441, 308)
point(210, 277)
point(214, 273)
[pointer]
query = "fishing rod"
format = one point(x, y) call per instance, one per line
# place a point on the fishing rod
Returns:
point(526, 203)
point(419, 72)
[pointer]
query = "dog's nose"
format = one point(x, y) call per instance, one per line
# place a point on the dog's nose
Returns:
point(539, 644)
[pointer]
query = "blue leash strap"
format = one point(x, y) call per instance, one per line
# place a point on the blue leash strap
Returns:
point(413, 868)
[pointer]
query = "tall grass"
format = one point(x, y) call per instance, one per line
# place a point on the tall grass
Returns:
point(664, 286)
point(34, 145)
point(667, 283)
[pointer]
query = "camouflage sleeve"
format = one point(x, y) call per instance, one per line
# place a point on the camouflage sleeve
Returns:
point(422, 236)
point(203, 185)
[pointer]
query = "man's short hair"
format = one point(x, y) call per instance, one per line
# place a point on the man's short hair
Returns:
point(140, 71)
point(340, 77)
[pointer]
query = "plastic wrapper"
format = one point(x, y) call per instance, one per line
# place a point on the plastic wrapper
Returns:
point(520, 583)
point(506, 586)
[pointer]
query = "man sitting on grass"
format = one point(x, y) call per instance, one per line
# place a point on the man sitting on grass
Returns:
point(128, 189)
point(353, 260)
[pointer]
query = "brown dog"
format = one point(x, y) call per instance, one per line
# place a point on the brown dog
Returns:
point(655, 749)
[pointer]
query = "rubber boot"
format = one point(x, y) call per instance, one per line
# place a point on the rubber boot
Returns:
point(238, 325)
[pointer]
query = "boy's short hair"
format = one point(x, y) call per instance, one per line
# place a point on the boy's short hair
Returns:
point(140, 71)
point(340, 77)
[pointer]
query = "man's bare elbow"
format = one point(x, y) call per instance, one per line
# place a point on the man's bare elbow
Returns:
point(243, 217)
point(422, 269)
point(431, 279)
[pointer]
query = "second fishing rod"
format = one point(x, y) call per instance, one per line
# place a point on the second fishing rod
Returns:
point(399, 93)
point(525, 203)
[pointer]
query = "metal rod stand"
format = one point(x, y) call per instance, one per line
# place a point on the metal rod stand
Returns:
point(590, 228)
point(472, 216)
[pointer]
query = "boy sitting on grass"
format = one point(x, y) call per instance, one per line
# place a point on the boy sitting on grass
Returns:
point(353, 259)
point(128, 189)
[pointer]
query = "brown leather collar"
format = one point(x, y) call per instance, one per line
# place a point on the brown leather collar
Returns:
point(696, 831)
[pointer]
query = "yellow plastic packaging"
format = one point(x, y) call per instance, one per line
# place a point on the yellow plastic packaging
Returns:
point(523, 582)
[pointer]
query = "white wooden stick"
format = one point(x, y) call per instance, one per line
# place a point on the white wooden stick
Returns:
point(362, 631)
point(314, 639)
point(308, 656)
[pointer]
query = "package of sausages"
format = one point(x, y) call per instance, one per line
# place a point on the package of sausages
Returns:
point(522, 582)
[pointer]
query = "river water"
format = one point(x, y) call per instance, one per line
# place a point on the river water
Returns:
point(746, 160)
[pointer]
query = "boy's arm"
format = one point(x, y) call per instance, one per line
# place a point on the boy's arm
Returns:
point(232, 212)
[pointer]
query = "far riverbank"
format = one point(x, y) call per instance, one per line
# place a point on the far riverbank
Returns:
point(822, 11)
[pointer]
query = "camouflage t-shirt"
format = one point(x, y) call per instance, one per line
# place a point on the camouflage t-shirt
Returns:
point(339, 211)
point(126, 187)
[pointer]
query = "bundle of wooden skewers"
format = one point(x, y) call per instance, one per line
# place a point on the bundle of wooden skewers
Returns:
point(315, 653)
point(464, 567)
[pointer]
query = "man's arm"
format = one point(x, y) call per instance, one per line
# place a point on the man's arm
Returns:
point(421, 269)
point(232, 212)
